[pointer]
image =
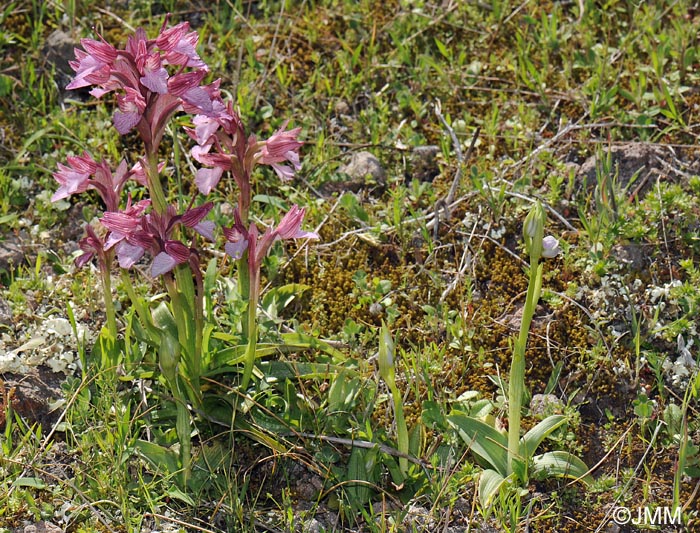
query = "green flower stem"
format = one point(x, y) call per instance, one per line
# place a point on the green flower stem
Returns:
point(184, 434)
point(244, 290)
point(141, 310)
point(516, 382)
point(252, 327)
point(191, 315)
point(534, 233)
point(109, 302)
point(401, 428)
point(154, 186)
point(192, 362)
point(198, 327)
point(168, 358)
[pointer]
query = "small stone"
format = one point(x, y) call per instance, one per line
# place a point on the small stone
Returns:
point(630, 254)
point(5, 312)
point(11, 255)
point(58, 51)
point(42, 527)
point(546, 405)
point(312, 526)
point(341, 108)
point(612, 527)
point(363, 165)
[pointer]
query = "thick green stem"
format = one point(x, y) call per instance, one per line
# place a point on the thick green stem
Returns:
point(169, 359)
point(185, 339)
point(252, 326)
point(244, 290)
point(401, 428)
point(184, 435)
point(516, 382)
point(198, 326)
point(109, 302)
point(186, 303)
point(154, 186)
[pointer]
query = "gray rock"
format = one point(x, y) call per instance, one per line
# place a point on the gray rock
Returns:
point(364, 165)
point(11, 254)
point(42, 527)
point(58, 50)
point(545, 405)
point(638, 161)
point(5, 312)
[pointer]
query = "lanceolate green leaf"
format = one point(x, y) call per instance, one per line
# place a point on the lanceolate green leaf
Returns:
point(490, 483)
point(163, 319)
point(560, 464)
point(281, 370)
point(283, 296)
point(483, 440)
point(164, 459)
point(293, 342)
point(533, 438)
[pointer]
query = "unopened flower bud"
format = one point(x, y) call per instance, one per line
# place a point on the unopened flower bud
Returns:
point(386, 355)
point(550, 247)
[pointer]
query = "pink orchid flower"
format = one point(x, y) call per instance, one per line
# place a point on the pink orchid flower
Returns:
point(133, 234)
point(282, 146)
point(83, 173)
point(222, 146)
point(239, 239)
point(92, 246)
point(149, 95)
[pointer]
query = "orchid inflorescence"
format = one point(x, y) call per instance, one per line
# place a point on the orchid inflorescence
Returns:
point(148, 95)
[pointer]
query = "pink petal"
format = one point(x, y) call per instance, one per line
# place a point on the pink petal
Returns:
point(156, 81)
point(128, 254)
point(207, 179)
point(206, 229)
point(236, 249)
point(162, 263)
point(83, 259)
point(177, 251)
point(194, 216)
point(125, 122)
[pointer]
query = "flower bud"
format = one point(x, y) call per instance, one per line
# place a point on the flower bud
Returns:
point(550, 247)
point(386, 355)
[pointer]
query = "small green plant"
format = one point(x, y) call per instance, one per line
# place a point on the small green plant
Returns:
point(510, 458)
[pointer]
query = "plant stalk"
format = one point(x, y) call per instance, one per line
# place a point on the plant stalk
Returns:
point(109, 302)
point(154, 185)
point(252, 326)
point(401, 428)
point(516, 382)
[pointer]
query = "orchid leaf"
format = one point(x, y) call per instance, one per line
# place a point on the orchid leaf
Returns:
point(280, 297)
point(281, 370)
point(33, 482)
point(483, 440)
point(533, 438)
point(164, 320)
point(490, 483)
point(225, 359)
point(163, 459)
point(307, 342)
point(560, 464)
